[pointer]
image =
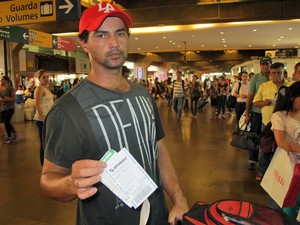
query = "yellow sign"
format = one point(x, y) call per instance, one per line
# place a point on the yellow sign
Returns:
point(26, 11)
point(40, 39)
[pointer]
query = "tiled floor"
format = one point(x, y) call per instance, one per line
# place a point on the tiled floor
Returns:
point(209, 169)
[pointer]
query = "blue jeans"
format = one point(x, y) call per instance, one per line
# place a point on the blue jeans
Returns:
point(222, 104)
point(256, 123)
point(177, 105)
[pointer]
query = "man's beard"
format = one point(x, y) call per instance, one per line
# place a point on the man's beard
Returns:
point(113, 59)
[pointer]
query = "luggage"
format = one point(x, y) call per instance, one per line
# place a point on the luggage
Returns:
point(230, 212)
point(202, 102)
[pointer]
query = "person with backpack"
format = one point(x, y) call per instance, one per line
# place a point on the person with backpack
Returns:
point(240, 91)
point(178, 94)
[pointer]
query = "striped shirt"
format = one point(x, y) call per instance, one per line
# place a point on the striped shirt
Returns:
point(177, 89)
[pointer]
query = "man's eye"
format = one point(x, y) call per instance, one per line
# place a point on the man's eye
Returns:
point(101, 35)
point(121, 34)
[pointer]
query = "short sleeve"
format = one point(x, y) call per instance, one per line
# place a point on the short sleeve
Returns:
point(252, 85)
point(278, 122)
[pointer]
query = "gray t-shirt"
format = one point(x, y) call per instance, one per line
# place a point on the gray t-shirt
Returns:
point(88, 121)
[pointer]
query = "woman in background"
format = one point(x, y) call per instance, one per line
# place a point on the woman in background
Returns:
point(195, 94)
point(286, 128)
point(7, 108)
point(43, 100)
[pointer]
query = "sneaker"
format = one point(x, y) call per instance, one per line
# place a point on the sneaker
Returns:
point(8, 140)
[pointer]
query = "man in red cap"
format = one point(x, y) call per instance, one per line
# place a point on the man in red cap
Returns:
point(105, 112)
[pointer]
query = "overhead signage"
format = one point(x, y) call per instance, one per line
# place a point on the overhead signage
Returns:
point(37, 38)
point(62, 43)
point(68, 9)
point(35, 11)
point(40, 39)
point(14, 34)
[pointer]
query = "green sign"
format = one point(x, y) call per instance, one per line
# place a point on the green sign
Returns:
point(14, 34)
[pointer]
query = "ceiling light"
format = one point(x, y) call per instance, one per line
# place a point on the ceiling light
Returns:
point(158, 29)
point(139, 49)
point(290, 28)
point(250, 46)
point(200, 26)
point(136, 38)
point(254, 30)
point(164, 37)
point(225, 46)
point(222, 32)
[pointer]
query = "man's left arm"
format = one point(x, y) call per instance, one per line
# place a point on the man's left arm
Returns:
point(171, 184)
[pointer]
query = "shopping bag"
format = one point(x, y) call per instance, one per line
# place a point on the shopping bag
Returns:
point(282, 178)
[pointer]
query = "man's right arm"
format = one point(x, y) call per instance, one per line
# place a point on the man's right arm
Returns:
point(64, 184)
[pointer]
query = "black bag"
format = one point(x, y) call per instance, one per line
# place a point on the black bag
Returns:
point(195, 94)
point(231, 101)
point(233, 212)
point(244, 139)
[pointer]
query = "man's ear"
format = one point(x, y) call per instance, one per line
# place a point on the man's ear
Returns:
point(83, 45)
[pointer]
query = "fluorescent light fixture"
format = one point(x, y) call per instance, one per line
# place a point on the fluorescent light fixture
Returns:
point(158, 29)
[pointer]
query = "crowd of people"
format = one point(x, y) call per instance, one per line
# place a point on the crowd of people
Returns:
point(112, 113)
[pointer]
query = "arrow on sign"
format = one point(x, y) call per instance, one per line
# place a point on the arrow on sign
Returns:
point(25, 36)
point(54, 42)
point(69, 6)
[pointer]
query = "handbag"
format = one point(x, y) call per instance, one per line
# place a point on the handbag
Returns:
point(281, 180)
point(244, 139)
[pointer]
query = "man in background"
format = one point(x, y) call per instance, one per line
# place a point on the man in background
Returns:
point(253, 114)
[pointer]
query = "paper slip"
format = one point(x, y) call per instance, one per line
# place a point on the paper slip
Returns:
point(126, 178)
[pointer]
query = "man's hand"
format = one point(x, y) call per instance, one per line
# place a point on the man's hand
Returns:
point(177, 212)
point(84, 174)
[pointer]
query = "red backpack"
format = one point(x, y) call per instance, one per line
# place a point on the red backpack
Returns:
point(232, 212)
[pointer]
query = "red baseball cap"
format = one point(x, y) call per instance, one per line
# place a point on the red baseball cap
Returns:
point(93, 17)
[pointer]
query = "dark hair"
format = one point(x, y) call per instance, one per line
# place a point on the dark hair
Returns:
point(6, 78)
point(84, 36)
point(277, 65)
point(296, 66)
point(291, 94)
point(125, 70)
